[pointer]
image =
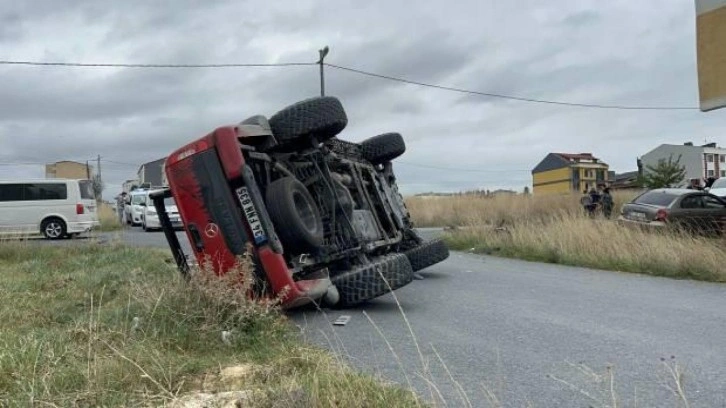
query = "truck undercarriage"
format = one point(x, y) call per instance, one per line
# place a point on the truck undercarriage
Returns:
point(328, 211)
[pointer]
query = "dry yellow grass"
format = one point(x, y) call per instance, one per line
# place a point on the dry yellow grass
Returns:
point(476, 210)
point(108, 218)
point(555, 229)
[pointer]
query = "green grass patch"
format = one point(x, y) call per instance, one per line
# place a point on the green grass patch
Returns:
point(94, 325)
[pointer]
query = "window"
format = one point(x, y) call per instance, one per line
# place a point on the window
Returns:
point(712, 202)
point(693, 201)
point(723, 173)
point(709, 158)
point(720, 183)
point(33, 192)
point(722, 158)
point(657, 198)
point(11, 192)
point(86, 189)
point(588, 173)
point(710, 173)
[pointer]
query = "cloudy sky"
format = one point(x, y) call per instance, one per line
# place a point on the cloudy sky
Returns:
point(619, 52)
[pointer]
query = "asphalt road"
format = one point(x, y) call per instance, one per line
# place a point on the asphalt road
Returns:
point(532, 334)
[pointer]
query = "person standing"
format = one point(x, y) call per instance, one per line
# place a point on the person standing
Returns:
point(607, 203)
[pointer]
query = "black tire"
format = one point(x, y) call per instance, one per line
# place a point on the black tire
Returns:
point(53, 228)
point(427, 253)
point(383, 148)
point(322, 117)
point(367, 282)
point(295, 215)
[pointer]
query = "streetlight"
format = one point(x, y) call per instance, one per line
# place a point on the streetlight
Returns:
point(323, 53)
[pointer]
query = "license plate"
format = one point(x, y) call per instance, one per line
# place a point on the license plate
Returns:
point(251, 214)
point(638, 216)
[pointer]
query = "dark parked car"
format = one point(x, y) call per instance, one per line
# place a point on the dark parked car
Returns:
point(692, 210)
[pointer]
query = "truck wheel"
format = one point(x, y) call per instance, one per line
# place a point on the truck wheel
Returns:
point(322, 117)
point(383, 148)
point(295, 215)
point(426, 254)
point(366, 282)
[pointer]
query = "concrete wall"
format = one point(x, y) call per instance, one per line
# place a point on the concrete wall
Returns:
point(691, 158)
point(552, 181)
point(69, 170)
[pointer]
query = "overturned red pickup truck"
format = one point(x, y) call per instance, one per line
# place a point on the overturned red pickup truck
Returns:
point(323, 216)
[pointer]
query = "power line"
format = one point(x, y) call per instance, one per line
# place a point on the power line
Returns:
point(510, 97)
point(128, 65)
point(353, 70)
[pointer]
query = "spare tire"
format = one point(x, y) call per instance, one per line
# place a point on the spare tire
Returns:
point(383, 148)
point(295, 215)
point(365, 282)
point(427, 253)
point(322, 117)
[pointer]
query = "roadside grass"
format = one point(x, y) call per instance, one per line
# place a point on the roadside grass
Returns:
point(96, 325)
point(108, 219)
point(597, 243)
point(464, 210)
point(555, 229)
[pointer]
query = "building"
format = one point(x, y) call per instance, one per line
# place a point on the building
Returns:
point(129, 185)
point(568, 172)
point(700, 162)
point(151, 173)
point(629, 180)
point(68, 169)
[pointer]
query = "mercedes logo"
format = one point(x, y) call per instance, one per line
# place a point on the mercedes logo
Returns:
point(211, 230)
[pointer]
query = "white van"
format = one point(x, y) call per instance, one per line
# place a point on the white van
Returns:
point(56, 208)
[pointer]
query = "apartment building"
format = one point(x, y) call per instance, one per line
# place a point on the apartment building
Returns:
point(700, 162)
point(568, 172)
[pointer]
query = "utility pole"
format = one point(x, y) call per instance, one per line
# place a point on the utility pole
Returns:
point(100, 182)
point(323, 52)
point(88, 171)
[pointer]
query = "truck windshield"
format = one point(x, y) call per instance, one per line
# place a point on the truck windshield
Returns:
point(137, 199)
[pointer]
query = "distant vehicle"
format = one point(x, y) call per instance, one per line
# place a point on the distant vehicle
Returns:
point(692, 210)
point(718, 188)
point(150, 219)
point(133, 210)
point(56, 208)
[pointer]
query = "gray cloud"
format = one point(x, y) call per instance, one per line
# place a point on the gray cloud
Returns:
point(615, 52)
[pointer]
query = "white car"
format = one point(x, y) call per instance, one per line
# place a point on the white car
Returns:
point(151, 218)
point(56, 208)
point(133, 211)
point(718, 188)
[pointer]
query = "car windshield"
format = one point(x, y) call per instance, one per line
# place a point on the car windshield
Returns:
point(169, 201)
point(137, 199)
point(720, 183)
point(657, 198)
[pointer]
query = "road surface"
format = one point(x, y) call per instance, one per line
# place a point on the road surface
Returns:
point(533, 334)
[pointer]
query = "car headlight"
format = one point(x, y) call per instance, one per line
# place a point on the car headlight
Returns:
point(151, 212)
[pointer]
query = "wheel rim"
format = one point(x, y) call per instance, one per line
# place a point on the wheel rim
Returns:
point(53, 230)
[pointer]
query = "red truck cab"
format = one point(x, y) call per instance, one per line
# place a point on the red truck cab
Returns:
point(224, 213)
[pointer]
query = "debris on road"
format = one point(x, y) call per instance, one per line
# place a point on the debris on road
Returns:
point(342, 320)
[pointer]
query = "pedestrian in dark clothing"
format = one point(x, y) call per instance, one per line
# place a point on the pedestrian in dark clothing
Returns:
point(607, 203)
